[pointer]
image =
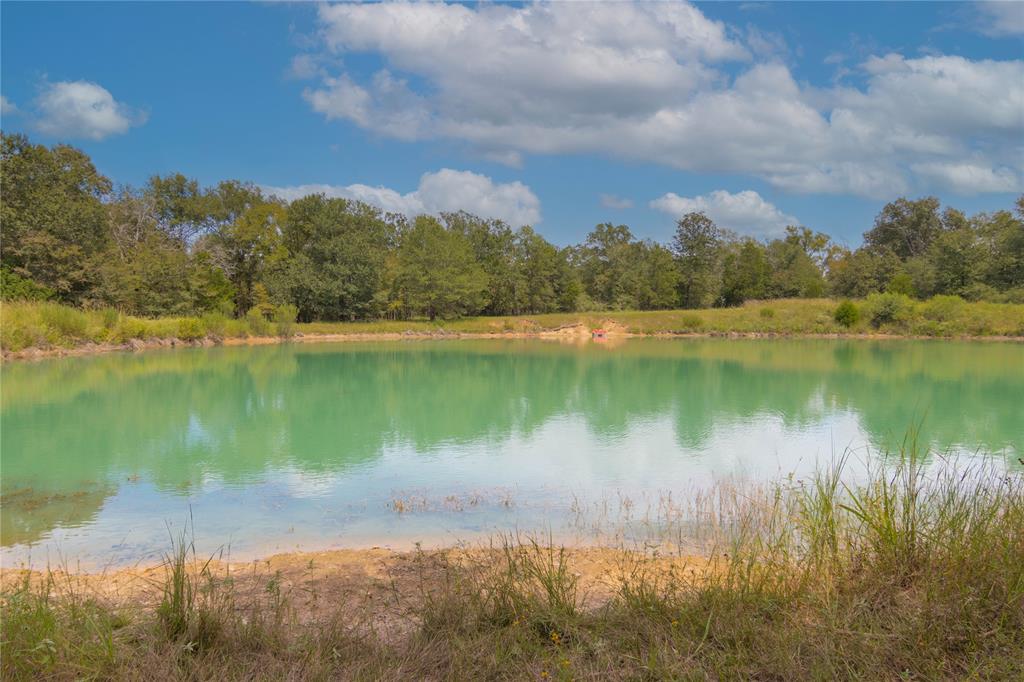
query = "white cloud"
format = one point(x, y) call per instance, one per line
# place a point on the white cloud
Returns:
point(643, 81)
point(80, 109)
point(613, 201)
point(969, 178)
point(445, 190)
point(745, 212)
point(1001, 18)
point(7, 106)
point(304, 66)
point(388, 106)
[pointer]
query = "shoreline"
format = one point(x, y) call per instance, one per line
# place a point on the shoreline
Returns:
point(575, 334)
point(357, 571)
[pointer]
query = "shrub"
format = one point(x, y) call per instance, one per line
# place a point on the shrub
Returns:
point(943, 308)
point(190, 329)
point(14, 287)
point(284, 317)
point(767, 313)
point(215, 323)
point(257, 322)
point(847, 314)
point(889, 309)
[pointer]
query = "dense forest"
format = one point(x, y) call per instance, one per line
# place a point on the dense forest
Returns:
point(174, 247)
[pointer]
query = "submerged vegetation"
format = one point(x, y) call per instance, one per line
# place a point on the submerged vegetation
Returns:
point(912, 571)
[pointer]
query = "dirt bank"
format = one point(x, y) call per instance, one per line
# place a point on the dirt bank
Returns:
point(317, 582)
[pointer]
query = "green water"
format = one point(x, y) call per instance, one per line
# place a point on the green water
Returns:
point(319, 445)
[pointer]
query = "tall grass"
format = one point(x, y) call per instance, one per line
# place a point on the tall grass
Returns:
point(51, 325)
point(912, 570)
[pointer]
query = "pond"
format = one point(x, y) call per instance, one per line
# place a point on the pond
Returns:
point(312, 446)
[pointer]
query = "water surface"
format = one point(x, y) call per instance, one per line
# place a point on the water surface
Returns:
point(310, 446)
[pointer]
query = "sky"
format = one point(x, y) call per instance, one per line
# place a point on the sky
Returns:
point(560, 115)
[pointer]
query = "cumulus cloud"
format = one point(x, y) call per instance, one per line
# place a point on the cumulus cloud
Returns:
point(80, 109)
point(613, 201)
point(645, 81)
point(969, 178)
point(745, 212)
point(445, 190)
point(1001, 18)
point(7, 106)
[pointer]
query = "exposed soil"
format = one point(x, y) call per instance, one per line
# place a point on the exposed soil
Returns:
point(316, 583)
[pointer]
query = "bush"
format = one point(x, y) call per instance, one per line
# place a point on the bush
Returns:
point(258, 324)
point(284, 317)
point(215, 323)
point(14, 287)
point(943, 308)
point(847, 314)
point(889, 309)
point(767, 313)
point(190, 329)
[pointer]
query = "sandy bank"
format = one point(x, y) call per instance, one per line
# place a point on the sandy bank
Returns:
point(318, 581)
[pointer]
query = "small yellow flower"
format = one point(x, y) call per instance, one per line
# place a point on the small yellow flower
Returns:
point(544, 674)
point(556, 638)
point(675, 623)
point(565, 662)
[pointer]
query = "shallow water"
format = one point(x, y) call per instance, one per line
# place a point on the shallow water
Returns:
point(309, 446)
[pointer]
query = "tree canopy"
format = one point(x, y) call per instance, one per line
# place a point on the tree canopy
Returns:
point(175, 247)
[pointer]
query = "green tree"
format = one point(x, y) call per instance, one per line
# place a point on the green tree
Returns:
point(697, 247)
point(745, 272)
point(603, 261)
point(252, 244)
point(906, 227)
point(497, 249)
point(794, 264)
point(54, 221)
point(958, 259)
point(1002, 238)
point(858, 273)
point(437, 272)
point(335, 265)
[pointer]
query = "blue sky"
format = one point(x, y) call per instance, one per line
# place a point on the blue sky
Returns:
point(562, 115)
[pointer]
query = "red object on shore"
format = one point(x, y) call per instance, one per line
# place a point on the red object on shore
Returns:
point(599, 333)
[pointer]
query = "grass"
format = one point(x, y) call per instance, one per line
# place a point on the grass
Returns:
point(51, 325)
point(914, 570)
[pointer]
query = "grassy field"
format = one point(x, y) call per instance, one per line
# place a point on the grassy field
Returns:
point(913, 573)
point(50, 325)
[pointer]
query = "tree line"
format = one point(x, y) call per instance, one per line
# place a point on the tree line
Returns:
point(174, 247)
